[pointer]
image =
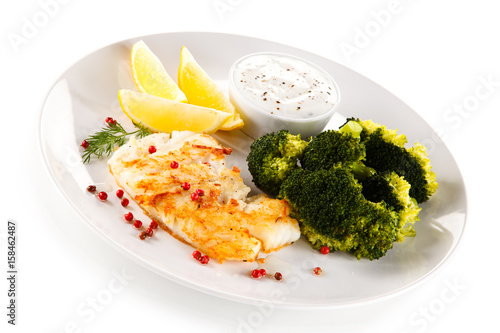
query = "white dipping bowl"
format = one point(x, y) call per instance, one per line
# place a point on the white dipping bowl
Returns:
point(261, 118)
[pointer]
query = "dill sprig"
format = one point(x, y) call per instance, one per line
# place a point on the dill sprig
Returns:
point(109, 138)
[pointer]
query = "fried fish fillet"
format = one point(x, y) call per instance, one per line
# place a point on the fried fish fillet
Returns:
point(215, 215)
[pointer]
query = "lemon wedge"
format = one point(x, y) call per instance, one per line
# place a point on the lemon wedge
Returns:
point(201, 90)
point(165, 115)
point(150, 76)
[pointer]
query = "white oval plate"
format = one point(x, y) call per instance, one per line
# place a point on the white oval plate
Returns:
point(87, 93)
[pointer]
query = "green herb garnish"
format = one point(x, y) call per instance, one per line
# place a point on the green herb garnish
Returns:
point(109, 138)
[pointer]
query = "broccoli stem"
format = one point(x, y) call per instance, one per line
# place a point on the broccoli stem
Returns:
point(361, 171)
point(352, 127)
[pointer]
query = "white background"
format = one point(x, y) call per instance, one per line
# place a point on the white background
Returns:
point(432, 54)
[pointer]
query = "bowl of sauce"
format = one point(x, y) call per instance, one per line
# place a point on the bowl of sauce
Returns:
point(274, 91)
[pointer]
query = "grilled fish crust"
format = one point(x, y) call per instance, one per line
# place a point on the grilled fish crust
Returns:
point(222, 222)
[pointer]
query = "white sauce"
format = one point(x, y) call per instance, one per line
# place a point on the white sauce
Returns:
point(285, 86)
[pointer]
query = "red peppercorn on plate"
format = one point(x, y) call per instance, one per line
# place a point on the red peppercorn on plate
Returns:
point(84, 99)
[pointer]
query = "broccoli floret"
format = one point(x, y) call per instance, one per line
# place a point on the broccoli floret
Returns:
point(386, 152)
point(356, 189)
point(332, 211)
point(330, 147)
point(393, 190)
point(273, 157)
